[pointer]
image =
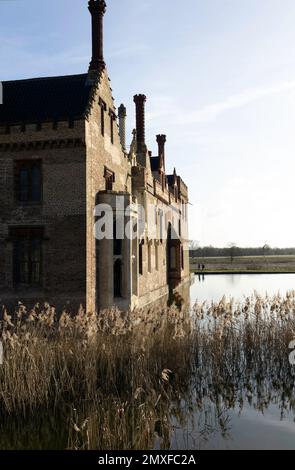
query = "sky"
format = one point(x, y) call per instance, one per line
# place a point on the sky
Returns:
point(219, 76)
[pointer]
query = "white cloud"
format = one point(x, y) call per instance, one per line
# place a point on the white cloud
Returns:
point(211, 112)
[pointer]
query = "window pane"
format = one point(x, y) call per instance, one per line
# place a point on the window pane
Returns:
point(118, 278)
point(28, 181)
point(35, 258)
point(117, 242)
point(140, 258)
point(36, 183)
point(26, 258)
point(24, 184)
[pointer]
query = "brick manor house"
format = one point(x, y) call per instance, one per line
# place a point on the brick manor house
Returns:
point(62, 152)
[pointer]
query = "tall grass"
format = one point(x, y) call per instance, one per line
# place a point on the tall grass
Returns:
point(120, 380)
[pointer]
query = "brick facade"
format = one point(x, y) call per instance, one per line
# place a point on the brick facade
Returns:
point(78, 146)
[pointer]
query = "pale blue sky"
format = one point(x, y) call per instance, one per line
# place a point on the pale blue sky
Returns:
point(220, 80)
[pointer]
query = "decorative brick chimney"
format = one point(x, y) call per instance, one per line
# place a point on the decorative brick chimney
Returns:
point(161, 139)
point(140, 101)
point(97, 10)
point(122, 113)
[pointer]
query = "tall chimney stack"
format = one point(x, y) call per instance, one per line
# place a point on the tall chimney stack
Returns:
point(97, 9)
point(161, 139)
point(122, 125)
point(140, 101)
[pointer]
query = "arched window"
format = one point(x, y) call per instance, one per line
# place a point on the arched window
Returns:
point(118, 278)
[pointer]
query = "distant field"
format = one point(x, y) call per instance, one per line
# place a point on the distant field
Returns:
point(246, 264)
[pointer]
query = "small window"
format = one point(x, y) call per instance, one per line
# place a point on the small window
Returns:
point(110, 179)
point(28, 181)
point(182, 258)
point(27, 256)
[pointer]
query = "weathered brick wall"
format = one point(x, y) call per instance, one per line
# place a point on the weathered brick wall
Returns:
point(153, 281)
point(62, 213)
point(101, 152)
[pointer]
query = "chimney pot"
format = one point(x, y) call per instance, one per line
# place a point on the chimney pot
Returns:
point(97, 10)
point(140, 101)
point(122, 125)
point(161, 140)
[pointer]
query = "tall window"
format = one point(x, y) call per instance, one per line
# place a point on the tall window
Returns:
point(118, 278)
point(103, 108)
point(117, 241)
point(173, 259)
point(149, 258)
point(112, 120)
point(28, 181)
point(161, 225)
point(141, 258)
point(27, 255)
point(157, 257)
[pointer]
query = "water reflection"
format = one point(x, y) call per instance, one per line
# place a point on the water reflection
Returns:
point(244, 409)
point(214, 287)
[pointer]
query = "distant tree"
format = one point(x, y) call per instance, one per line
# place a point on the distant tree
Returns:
point(266, 249)
point(194, 245)
point(232, 248)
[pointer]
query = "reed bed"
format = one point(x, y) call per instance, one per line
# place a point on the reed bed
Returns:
point(125, 380)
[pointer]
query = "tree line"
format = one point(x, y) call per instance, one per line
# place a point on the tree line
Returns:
point(233, 251)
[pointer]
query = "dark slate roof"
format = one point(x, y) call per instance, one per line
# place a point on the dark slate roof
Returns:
point(44, 99)
point(155, 163)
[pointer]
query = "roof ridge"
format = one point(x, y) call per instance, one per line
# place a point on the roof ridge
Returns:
point(57, 77)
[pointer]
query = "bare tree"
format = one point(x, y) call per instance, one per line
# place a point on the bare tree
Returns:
point(232, 247)
point(266, 248)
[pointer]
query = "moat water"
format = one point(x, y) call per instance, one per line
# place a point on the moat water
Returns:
point(259, 421)
point(261, 416)
point(214, 287)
